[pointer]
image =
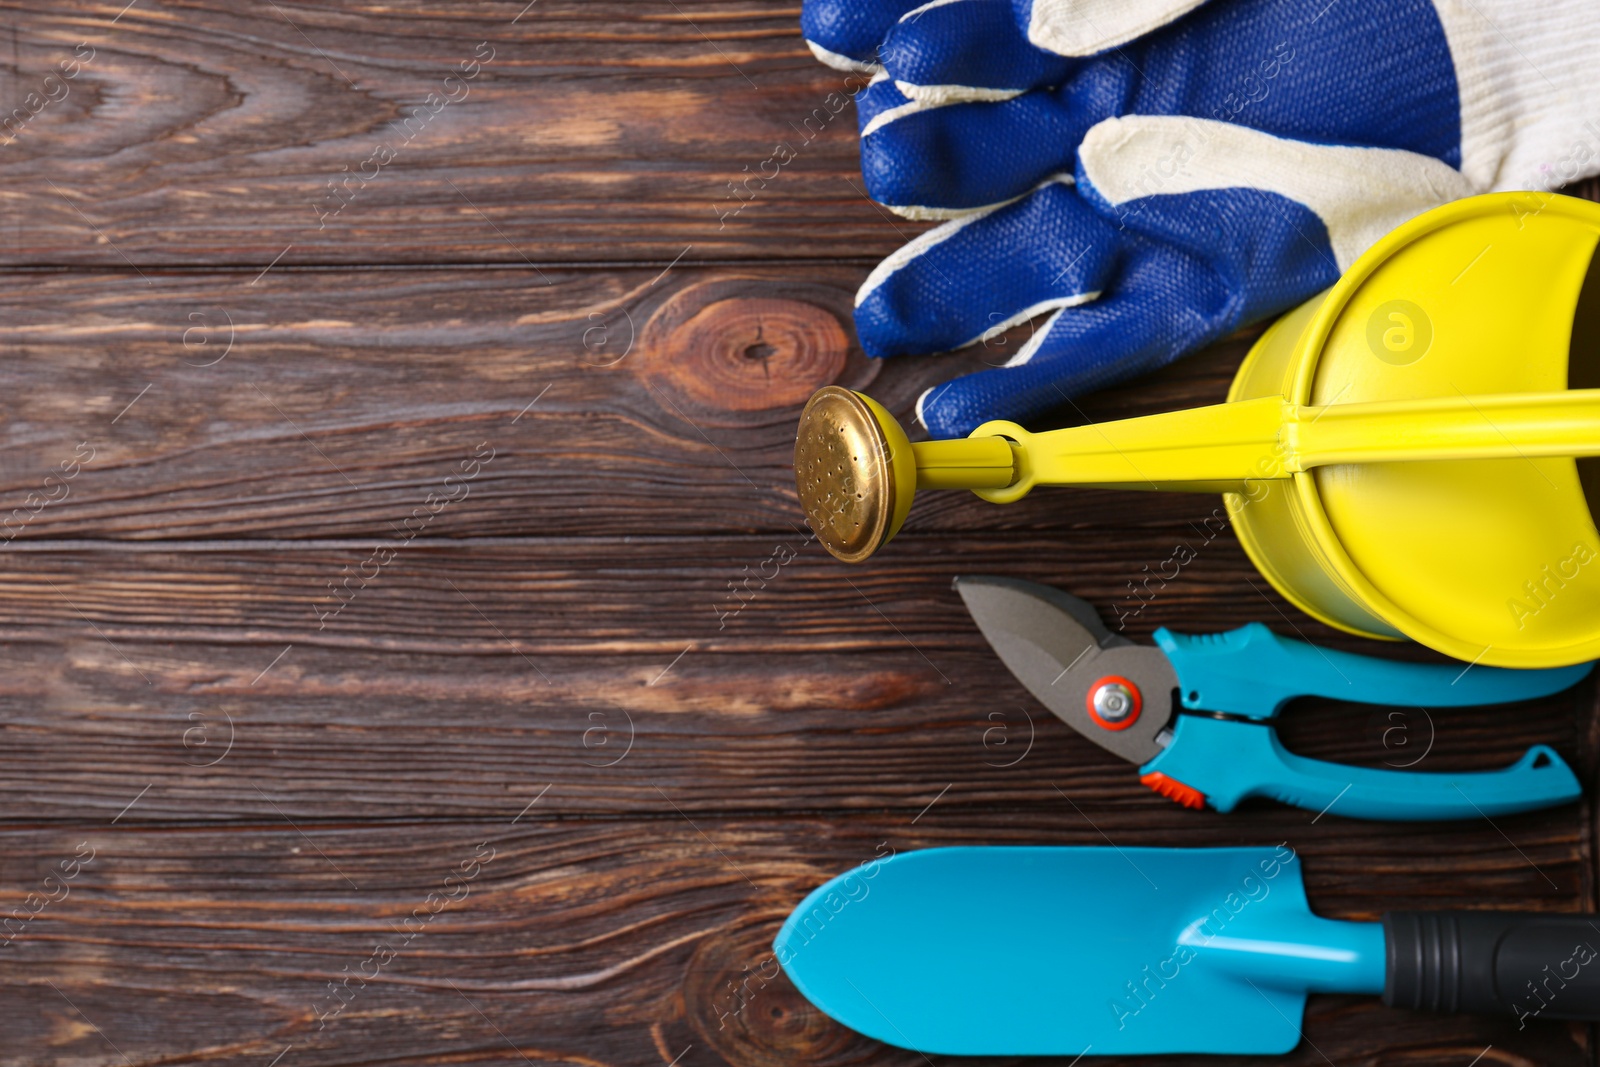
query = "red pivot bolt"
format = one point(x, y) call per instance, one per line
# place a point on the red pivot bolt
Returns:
point(1114, 702)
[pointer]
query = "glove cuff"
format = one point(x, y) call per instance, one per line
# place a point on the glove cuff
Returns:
point(1527, 119)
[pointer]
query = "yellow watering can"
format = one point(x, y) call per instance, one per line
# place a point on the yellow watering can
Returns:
point(1410, 454)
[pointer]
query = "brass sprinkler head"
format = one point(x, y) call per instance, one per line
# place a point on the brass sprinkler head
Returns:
point(856, 471)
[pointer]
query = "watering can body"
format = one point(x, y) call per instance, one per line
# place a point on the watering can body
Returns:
point(1413, 454)
point(1490, 560)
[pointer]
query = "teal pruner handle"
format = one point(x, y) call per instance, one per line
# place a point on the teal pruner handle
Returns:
point(1252, 671)
point(1229, 760)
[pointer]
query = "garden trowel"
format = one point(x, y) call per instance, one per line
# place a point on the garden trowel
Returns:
point(1099, 951)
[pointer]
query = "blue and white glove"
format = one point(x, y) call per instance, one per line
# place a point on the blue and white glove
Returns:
point(1155, 173)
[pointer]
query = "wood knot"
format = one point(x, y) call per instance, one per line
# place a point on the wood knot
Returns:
point(755, 353)
point(743, 1005)
point(737, 345)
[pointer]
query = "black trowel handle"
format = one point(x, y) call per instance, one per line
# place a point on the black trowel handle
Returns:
point(1532, 965)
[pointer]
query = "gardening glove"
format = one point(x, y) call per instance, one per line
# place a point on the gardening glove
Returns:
point(1155, 173)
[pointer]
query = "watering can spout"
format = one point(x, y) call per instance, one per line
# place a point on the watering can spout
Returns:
point(857, 471)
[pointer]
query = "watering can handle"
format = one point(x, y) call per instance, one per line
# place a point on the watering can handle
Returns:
point(1229, 760)
point(1254, 672)
point(1225, 446)
point(1509, 426)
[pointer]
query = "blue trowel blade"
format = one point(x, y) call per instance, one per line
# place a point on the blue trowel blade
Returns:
point(1069, 951)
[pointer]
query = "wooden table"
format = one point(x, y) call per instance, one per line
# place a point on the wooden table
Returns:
point(413, 650)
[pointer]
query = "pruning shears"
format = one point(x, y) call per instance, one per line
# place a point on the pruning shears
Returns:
point(1195, 712)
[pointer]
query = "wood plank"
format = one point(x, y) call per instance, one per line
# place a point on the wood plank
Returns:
point(466, 674)
point(213, 133)
point(209, 133)
point(610, 942)
point(614, 596)
point(332, 403)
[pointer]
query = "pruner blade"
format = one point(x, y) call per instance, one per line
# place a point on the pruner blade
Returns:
point(1114, 692)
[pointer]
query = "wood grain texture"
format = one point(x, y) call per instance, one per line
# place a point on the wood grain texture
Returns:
point(330, 404)
point(217, 133)
point(465, 675)
point(367, 524)
point(625, 943)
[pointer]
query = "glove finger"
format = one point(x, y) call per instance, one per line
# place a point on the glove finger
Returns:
point(1223, 190)
point(1165, 304)
point(845, 34)
point(967, 50)
point(981, 49)
point(1087, 27)
point(932, 160)
point(977, 276)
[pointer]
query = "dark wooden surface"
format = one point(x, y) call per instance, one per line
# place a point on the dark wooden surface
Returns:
point(546, 692)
